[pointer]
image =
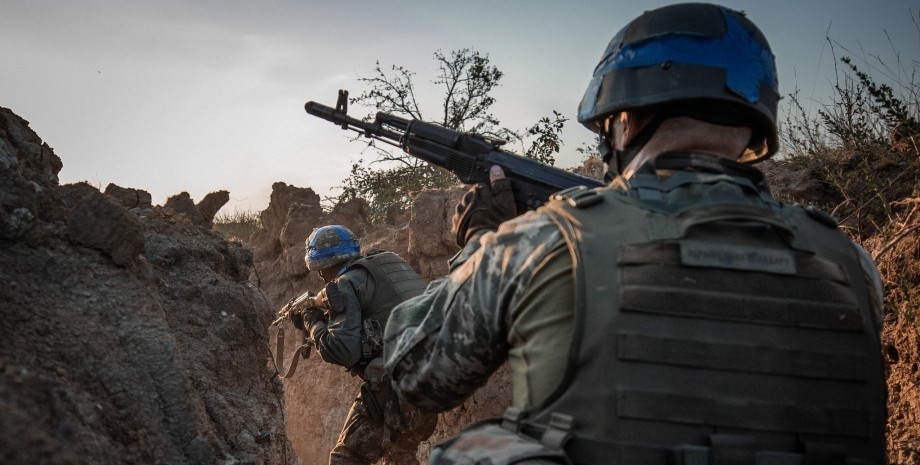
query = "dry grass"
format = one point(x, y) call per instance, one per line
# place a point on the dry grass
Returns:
point(239, 225)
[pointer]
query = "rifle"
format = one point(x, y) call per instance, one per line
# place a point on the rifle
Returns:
point(468, 156)
point(296, 304)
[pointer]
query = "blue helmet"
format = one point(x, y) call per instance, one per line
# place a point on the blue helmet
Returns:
point(329, 246)
point(692, 59)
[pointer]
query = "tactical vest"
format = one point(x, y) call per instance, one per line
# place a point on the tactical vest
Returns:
point(737, 331)
point(395, 281)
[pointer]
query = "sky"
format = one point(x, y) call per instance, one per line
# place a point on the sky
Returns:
point(199, 96)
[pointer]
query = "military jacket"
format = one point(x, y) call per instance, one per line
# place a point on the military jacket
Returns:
point(366, 289)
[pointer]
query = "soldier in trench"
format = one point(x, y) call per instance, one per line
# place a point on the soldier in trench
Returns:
point(346, 320)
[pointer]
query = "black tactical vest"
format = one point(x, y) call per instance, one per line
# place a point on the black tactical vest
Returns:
point(735, 331)
point(395, 281)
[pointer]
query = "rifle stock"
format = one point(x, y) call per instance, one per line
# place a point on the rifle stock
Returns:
point(468, 156)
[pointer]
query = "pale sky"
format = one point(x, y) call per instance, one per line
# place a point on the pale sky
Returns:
point(199, 96)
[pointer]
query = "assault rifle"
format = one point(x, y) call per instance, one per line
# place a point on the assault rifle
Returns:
point(468, 156)
point(295, 305)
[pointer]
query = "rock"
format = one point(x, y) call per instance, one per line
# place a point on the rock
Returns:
point(211, 204)
point(183, 204)
point(28, 168)
point(282, 198)
point(37, 162)
point(100, 223)
point(129, 336)
point(299, 222)
point(129, 198)
point(353, 214)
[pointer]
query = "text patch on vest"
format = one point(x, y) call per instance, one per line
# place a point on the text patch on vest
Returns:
point(737, 257)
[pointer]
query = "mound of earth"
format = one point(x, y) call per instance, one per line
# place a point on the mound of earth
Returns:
point(131, 332)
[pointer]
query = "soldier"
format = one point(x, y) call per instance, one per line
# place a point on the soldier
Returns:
point(346, 321)
point(679, 314)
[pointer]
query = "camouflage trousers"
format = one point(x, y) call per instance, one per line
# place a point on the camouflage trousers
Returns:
point(395, 438)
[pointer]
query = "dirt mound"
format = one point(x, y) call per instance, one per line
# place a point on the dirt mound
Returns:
point(131, 332)
point(898, 258)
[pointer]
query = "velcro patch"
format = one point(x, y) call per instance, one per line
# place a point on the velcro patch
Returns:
point(736, 257)
point(335, 297)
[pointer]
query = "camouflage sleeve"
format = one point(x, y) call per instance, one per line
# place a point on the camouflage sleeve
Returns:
point(442, 345)
point(338, 340)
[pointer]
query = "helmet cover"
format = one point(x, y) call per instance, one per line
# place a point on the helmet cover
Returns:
point(329, 246)
point(689, 55)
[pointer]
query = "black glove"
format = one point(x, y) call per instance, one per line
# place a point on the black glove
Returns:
point(484, 207)
point(313, 315)
point(297, 319)
point(304, 319)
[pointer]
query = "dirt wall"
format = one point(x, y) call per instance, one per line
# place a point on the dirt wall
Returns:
point(131, 332)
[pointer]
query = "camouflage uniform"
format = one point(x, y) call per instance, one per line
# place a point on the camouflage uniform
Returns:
point(511, 297)
point(444, 344)
point(377, 426)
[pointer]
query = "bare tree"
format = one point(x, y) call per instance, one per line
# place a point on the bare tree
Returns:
point(467, 79)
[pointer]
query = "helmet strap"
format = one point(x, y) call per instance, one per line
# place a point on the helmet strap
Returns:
point(605, 149)
point(617, 160)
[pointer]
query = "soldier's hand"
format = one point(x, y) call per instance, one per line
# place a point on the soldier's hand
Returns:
point(484, 206)
point(298, 320)
point(312, 315)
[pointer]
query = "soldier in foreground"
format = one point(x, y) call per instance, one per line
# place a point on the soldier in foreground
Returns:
point(345, 321)
point(679, 314)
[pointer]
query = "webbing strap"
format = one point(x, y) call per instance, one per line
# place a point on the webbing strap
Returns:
point(749, 358)
point(749, 309)
point(584, 451)
point(743, 413)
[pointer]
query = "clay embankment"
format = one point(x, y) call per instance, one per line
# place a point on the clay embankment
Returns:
point(131, 332)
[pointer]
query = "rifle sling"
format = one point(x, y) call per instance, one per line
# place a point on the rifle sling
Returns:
point(301, 352)
point(303, 349)
point(279, 349)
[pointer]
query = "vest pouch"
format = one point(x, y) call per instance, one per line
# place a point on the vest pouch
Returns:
point(375, 390)
point(488, 443)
